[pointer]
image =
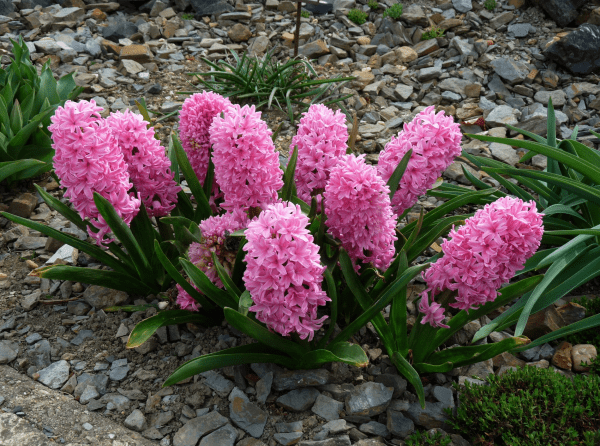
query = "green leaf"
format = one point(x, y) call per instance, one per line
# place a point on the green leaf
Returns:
point(289, 186)
point(230, 287)
point(394, 182)
point(9, 168)
point(340, 352)
point(398, 310)
point(427, 239)
point(65, 86)
point(262, 334)
point(146, 328)
point(123, 233)
point(16, 117)
point(574, 244)
point(109, 279)
point(217, 295)
point(48, 87)
point(245, 303)
point(410, 374)
point(245, 354)
point(20, 138)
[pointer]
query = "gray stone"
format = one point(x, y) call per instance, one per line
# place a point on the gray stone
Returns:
point(39, 355)
point(369, 399)
point(562, 12)
point(342, 440)
point(100, 297)
point(558, 97)
point(217, 383)
point(462, 5)
point(78, 308)
point(503, 115)
point(454, 85)
point(327, 407)
point(498, 87)
point(443, 395)
point(295, 426)
point(298, 400)
point(504, 153)
point(520, 30)
point(82, 336)
point(403, 92)
point(287, 438)
point(34, 337)
point(248, 416)
point(10, 324)
point(55, 375)
point(374, 428)
point(224, 436)
point(99, 381)
point(47, 46)
point(210, 7)
point(6, 7)
point(398, 424)
point(510, 70)
point(197, 427)
point(69, 14)
point(118, 373)
point(430, 417)
point(392, 380)
point(427, 74)
point(88, 394)
point(300, 378)
point(23, 243)
point(464, 47)
point(120, 402)
point(481, 369)
point(136, 421)
point(119, 29)
point(8, 351)
point(263, 388)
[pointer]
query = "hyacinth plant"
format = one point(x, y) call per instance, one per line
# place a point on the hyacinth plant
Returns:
point(283, 269)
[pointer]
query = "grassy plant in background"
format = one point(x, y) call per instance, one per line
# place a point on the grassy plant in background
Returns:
point(530, 407)
point(433, 33)
point(27, 100)
point(291, 87)
point(591, 336)
point(187, 16)
point(430, 438)
point(393, 12)
point(490, 5)
point(373, 4)
point(305, 14)
point(357, 16)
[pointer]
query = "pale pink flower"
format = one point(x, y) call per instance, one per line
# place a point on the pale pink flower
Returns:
point(246, 163)
point(321, 141)
point(195, 118)
point(88, 160)
point(147, 164)
point(435, 142)
point(283, 273)
point(359, 214)
point(215, 232)
point(484, 254)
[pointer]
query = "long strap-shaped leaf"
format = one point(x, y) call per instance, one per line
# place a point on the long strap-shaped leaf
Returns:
point(352, 354)
point(289, 186)
point(410, 374)
point(394, 181)
point(217, 295)
point(9, 168)
point(230, 287)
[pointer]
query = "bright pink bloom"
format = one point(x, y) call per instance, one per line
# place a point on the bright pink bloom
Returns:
point(195, 118)
point(358, 210)
point(246, 163)
point(321, 141)
point(433, 313)
point(148, 165)
point(485, 253)
point(283, 273)
point(215, 231)
point(88, 160)
point(185, 301)
point(435, 141)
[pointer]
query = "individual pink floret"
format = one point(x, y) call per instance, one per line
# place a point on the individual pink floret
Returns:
point(246, 163)
point(283, 273)
point(435, 141)
point(185, 301)
point(195, 118)
point(358, 210)
point(148, 166)
point(215, 230)
point(321, 141)
point(88, 160)
point(484, 253)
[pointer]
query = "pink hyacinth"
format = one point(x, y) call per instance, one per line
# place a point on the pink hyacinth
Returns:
point(88, 160)
point(359, 213)
point(215, 231)
point(435, 141)
point(483, 255)
point(321, 141)
point(246, 163)
point(185, 301)
point(195, 118)
point(148, 165)
point(284, 273)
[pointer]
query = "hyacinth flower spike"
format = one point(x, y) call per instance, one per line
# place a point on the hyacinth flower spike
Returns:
point(480, 257)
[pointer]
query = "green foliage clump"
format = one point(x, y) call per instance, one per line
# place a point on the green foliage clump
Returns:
point(357, 16)
point(490, 5)
point(591, 335)
point(530, 407)
point(373, 4)
point(27, 100)
point(187, 16)
point(394, 12)
point(430, 438)
point(305, 14)
point(432, 33)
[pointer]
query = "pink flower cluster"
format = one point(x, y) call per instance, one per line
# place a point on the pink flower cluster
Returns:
point(283, 274)
point(483, 254)
point(185, 301)
point(321, 141)
point(435, 141)
point(246, 163)
point(87, 160)
point(358, 210)
point(147, 163)
point(195, 118)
